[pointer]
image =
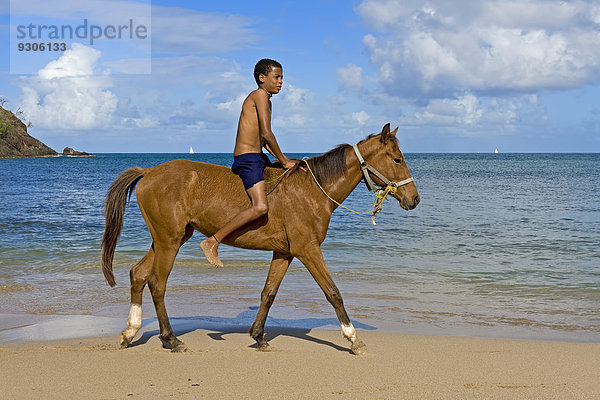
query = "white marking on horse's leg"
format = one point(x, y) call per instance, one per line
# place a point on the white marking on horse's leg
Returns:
point(349, 332)
point(135, 316)
point(134, 322)
point(358, 347)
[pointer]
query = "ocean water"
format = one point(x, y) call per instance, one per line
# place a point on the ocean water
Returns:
point(504, 245)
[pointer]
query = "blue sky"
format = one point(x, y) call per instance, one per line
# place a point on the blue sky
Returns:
point(461, 76)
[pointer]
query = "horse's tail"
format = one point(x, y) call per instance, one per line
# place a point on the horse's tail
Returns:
point(114, 210)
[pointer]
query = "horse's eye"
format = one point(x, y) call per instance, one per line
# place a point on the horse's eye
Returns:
point(398, 160)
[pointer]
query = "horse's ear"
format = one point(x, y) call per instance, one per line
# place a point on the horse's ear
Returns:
point(386, 129)
point(393, 133)
point(385, 132)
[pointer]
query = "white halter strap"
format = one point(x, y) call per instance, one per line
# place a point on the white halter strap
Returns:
point(366, 168)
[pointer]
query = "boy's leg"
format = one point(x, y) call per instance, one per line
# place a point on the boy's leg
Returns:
point(259, 207)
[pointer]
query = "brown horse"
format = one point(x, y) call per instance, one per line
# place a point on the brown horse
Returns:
point(180, 196)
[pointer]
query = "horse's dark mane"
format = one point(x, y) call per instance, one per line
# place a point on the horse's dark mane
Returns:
point(331, 165)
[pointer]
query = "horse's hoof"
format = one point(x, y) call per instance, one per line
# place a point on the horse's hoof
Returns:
point(359, 348)
point(124, 341)
point(264, 348)
point(180, 348)
point(175, 345)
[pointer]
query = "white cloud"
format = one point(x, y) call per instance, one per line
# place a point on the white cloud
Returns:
point(350, 76)
point(291, 108)
point(289, 122)
point(78, 61)
point(233, 105)
point(67, 94)
point(182, 91)
point(487, 46)
point(468, 115)
point(197, 126)
point(448, 112)
point(131, 66)
point(387, 13)
point(361, 117)
point(295, 97)
point(142, 123)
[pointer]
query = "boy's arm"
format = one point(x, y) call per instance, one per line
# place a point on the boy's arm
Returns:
point(264, 119)
point(269, 150)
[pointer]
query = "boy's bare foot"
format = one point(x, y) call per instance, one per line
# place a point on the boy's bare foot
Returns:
point(209, 247)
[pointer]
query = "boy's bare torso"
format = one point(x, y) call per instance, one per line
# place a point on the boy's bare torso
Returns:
point(249, 138)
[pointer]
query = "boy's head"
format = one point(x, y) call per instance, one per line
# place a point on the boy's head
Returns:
point(263, 67)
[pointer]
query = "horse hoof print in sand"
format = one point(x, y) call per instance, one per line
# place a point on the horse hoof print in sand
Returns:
point(295, 226)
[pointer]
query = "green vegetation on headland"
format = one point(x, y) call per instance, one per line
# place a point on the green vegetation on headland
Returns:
point(15, 142)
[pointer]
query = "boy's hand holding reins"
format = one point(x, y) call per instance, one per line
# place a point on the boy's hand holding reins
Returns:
point(292, 162)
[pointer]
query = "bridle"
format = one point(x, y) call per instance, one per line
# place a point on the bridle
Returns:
point(381, 193)
point(391, 186)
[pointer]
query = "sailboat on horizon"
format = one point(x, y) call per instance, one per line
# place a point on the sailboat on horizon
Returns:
point(496, 151)
point(191, 150)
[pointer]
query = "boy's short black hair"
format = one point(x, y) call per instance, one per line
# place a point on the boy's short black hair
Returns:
point(264, 66)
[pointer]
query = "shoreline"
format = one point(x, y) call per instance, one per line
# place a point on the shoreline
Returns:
point(302, 363)
point(24, 328)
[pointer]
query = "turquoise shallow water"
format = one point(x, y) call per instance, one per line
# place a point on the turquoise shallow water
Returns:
point(503, 245)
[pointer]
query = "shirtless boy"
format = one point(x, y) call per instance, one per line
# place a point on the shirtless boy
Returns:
point(254, 133)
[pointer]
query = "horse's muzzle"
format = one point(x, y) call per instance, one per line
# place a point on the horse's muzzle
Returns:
point(409, 204)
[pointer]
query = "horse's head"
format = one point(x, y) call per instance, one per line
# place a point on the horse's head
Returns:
point(381, 151)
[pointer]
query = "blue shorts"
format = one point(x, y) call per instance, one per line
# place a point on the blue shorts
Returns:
point(250, 167)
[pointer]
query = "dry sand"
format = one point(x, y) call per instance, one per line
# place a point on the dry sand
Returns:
point(303, 364)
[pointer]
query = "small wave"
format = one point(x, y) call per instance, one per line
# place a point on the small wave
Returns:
point(209, 287)
point(14, 287)
point(537, 324)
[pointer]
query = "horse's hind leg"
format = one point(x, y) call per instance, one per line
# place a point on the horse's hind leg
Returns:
point(278, 268)
point(138, 276)
point(315, 264)
point(163, 263)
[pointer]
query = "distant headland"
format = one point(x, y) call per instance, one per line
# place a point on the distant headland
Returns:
point(15, 142)
point(69, 152)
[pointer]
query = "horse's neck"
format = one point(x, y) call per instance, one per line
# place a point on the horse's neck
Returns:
point(343, 186)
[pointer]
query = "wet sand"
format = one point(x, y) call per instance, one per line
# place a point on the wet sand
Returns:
point(303, 364)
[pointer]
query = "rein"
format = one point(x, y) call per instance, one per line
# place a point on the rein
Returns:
point(380, 193)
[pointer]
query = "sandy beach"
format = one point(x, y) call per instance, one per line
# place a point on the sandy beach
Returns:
point(303, 364)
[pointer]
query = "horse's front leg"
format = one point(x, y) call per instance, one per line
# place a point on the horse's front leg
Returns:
point(313, 260)
point(279, 266)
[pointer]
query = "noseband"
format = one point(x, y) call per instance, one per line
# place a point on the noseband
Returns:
point(366, 168)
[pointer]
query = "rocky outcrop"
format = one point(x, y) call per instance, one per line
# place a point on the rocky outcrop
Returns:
point(16, 142)
point(74, 153)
